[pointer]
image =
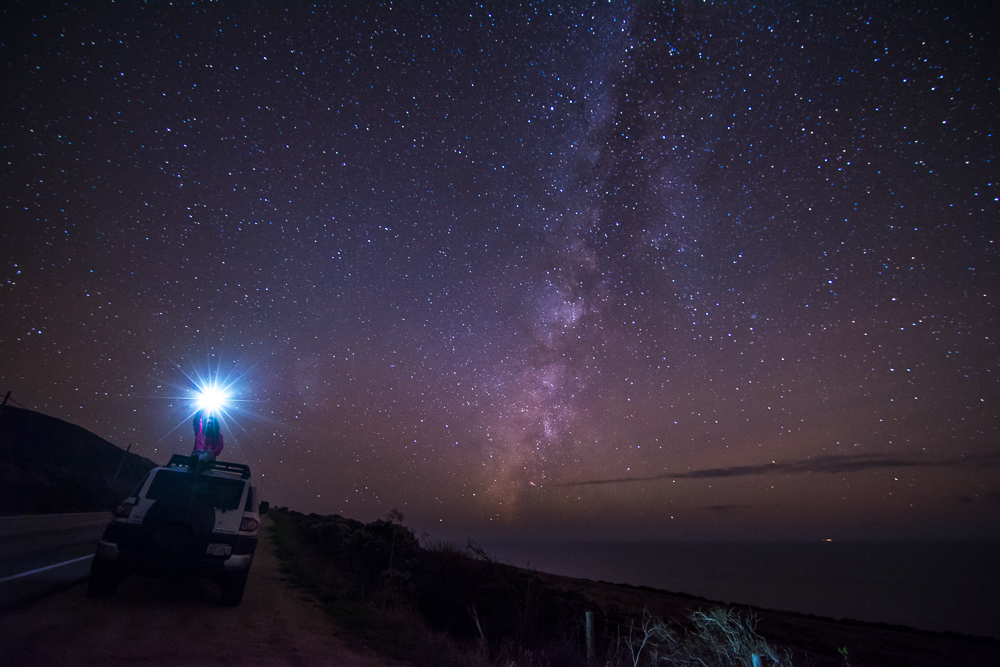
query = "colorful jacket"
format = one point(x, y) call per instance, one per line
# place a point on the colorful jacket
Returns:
point(207, 435)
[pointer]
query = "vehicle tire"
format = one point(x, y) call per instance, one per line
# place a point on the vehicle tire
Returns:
point(104, 580)
point(233, 585)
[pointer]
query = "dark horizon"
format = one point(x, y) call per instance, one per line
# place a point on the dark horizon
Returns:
point(676, 272)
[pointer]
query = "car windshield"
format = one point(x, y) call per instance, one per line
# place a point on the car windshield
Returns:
point(216, 492)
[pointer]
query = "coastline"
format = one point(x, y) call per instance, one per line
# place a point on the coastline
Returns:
point(927, 586)
point(815, 639)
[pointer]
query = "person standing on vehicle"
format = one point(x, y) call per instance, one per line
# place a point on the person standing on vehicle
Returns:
point(207, 437)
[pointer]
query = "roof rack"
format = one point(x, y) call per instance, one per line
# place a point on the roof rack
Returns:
point(189, 462)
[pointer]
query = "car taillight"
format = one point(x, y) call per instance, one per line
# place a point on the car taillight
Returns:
point(249, 524)
point(122, 511)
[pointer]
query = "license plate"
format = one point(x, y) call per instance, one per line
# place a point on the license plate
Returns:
point(219, 549)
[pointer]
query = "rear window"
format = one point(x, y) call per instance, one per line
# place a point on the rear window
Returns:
point(215, 492)
point(251, 505)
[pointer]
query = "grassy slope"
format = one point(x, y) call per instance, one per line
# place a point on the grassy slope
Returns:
point(422, 611)
point(389, 628)
point(814, 640)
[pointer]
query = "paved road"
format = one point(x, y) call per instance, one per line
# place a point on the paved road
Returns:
point(43, 553)
point(158, 622)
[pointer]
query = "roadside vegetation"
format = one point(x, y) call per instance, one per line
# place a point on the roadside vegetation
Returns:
point(442, 604)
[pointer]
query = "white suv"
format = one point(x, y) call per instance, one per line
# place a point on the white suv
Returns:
point(183, 519)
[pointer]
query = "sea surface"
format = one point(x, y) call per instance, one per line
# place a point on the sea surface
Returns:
point(940, 586)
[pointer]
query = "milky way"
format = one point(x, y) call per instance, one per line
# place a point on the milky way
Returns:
point(581, 269)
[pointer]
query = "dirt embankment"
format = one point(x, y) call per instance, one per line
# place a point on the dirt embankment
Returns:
point(158, 622)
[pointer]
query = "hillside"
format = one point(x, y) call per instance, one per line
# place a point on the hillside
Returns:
point(446, 605)
point(50, 466)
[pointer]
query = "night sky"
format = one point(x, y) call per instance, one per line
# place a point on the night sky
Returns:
point(536, 270)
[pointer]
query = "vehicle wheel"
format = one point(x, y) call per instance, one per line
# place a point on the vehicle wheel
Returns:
point(233, 585)
point(104, 580)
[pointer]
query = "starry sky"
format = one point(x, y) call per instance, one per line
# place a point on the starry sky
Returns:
point(537, 270)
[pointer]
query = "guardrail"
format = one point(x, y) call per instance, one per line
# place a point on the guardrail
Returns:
point(43, 553)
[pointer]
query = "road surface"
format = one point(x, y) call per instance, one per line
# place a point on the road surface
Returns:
point(159, 622)
point(43, 553)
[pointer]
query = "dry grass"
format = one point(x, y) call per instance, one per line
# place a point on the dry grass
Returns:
point(716, 637)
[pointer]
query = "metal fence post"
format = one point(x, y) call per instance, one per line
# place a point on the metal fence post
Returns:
point(590, 637)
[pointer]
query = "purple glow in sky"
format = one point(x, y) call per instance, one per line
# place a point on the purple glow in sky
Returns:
point(652, 271)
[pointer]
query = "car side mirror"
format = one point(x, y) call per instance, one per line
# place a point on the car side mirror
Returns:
point(263, 507)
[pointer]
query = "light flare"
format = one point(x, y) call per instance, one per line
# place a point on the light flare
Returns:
point(211, 398)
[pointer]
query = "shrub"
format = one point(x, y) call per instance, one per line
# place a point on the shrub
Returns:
point(718, 637)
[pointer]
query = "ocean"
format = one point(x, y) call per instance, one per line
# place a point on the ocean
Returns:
point(940, 586)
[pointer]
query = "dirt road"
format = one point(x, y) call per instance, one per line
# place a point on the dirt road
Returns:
point(157, 622)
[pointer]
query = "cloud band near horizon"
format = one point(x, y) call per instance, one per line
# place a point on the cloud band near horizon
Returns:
point(831, 464)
